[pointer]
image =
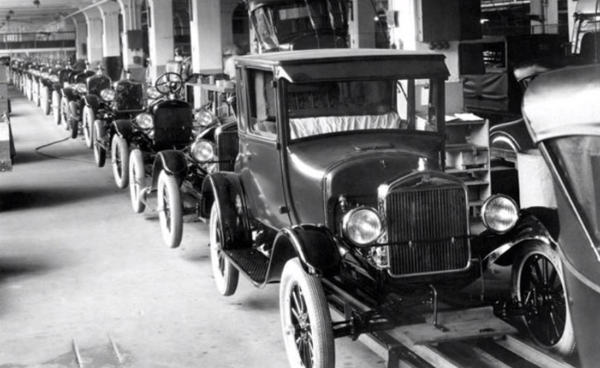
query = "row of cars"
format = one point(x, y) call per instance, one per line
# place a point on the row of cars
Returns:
point(331, 183)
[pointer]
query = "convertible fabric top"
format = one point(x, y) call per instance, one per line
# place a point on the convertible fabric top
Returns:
point(564, 102)
point(344, 64)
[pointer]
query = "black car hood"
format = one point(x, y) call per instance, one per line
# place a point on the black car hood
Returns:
point(321, 170)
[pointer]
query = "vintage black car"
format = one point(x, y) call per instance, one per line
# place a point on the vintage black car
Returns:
point(45, 87)
point(92, 104)
point(339, 194)
point(71, 100)
point(59, 80)
point(122, 101)
point(142, 148)
point(561, 111)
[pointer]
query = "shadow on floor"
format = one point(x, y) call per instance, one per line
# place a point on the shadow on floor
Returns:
point(12, 200)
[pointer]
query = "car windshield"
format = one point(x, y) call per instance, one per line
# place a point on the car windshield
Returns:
point(330, 107)
point(578, 159)
point(282, 22)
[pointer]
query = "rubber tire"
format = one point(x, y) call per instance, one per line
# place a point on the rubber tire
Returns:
point(565, 345)
point(119, 156)
point(45, 100)
point(56, 107)
point(137, 177)
point(37, 96)
point(87, 121)
point(74, 128)
point(99, 150)
point(64, 112)
point(225, 274)
point(170, 210)
point(296, 282)
point(73, 118)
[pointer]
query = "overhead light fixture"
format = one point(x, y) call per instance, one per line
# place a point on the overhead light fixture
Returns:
point(7, 18)
point(11, 12)
point(36, 3)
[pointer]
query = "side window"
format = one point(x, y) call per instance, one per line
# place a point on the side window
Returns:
point(263, 109)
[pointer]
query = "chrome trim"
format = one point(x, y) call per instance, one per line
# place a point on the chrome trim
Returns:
point(349, 214)
point(484, 209)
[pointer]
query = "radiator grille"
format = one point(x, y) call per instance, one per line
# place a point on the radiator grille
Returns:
point(172, 126)
point(427, 230)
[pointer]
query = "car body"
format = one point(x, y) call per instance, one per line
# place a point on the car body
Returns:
point(339, 193)
point(561, 111)
point(71, 100)
point(93, 104)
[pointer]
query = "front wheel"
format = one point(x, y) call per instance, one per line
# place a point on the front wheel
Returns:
point(119, 155)
point(64, 113)
point(225, 274)
point(170, 210)
point(73, 119)
point(99, 143)
point(305, 319)
point(88, 118)
point(538, 283)
point(137, 176)
point(56, 107)
point(45, 100)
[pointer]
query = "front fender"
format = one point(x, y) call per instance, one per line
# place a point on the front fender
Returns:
point(500, 249)
point(123, 128)
point(69, 93)
point(315, 246)
point(226, 190)
point(91, 101)
point(172, 162)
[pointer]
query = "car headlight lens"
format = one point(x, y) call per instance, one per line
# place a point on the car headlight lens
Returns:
point(204, 118)
point(54, 78)
point(145, 121)
point(81, 88)
point(108, 94)
point(203, 150)
point(362, 226)
point(45, 75)
point(153, 93)
point(499, 213)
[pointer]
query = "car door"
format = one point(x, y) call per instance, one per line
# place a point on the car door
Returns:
point(259, 156)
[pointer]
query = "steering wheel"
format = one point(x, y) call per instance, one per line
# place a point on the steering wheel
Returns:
point(169, 83)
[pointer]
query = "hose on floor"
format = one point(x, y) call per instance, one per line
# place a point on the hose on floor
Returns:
point(37, 150)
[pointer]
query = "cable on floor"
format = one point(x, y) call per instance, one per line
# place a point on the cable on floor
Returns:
point(37, 150)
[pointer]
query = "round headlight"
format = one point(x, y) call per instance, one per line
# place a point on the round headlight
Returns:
point(54, 78)
point(203, 151)
point(145, 121)
point(362, 226)
point(108, 94)
point(153, 93)
point(81, 88)
point(499, 213)
point(204, 118)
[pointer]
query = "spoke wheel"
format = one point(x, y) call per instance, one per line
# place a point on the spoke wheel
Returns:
point(538, 283)
point(56, 107)
point(225, 274)
point(88, 118)
point(119, 155)
point(170, 210)
point(305, 319)
point(45, 100)
point(100, 139)
point(64, 113)
point(137, 176)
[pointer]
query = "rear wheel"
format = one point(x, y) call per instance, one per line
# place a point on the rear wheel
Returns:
point(305, 319)
point(170, 210)
point(225, 274)
point(137, 176)
point(88, 118)
point(100, 139)
point(56, 107)
point(538, 283)
point(119, 154)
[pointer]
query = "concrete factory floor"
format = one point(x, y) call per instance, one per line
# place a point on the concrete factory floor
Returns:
point(85, 281)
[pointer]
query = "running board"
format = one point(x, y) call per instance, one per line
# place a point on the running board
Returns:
point(251, 262)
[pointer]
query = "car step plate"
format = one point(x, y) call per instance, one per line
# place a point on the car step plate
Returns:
point(464, 324)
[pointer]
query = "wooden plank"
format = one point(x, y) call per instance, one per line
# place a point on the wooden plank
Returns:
point(459, 325)
point(428, 353)
point(531, 353)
